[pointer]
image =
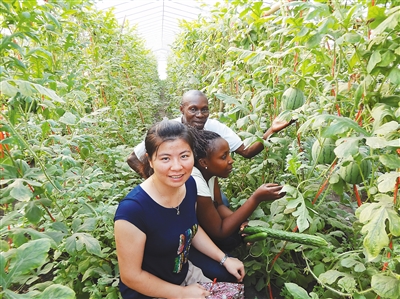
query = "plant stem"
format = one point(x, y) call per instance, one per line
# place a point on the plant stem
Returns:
point(320, 282)
point(22, 140)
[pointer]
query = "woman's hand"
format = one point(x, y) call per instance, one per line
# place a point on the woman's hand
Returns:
point(243, 225)
point(269, 191)
point(235, 267)
point(279, 124)
point(194, 291)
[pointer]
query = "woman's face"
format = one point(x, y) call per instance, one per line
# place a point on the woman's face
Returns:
point(219, 160)
point(173, 162)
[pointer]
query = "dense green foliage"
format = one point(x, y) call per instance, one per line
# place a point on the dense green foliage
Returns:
point(75, 89)
point(78, 91)
point(344, 56)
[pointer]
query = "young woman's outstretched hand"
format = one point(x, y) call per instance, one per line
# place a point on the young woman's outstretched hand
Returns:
point(235, 267)
point(269, 191)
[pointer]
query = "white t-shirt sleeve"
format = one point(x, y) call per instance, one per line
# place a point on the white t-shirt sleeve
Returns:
point(202, 187)
point(225, 132)
point(140, 149)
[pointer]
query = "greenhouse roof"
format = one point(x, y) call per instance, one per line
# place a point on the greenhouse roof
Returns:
point(157, 20)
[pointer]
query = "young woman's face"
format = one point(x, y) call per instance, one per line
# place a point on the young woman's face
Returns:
point(219, 160)
point(173, 162)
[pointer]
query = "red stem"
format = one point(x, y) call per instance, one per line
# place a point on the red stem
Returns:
point(386, 264)
point(44, 207)
point(359, 116)
point(359, 203)
point(271, 296)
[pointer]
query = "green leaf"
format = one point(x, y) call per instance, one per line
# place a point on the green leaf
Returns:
point(19, 191)
point(347, 283)
point(386, 286)
point(48, 92)
point(3, 274)
point(42, 54)
point(28, 256)
point(347, 148)
point(59, 226)
point(359, 267)
point(68, 118)
point(330, 276)
point(376, 13)
point(387, 128)
point(394, 143)
point(299, 210)
point(352, 37)
point(76, 242)
point(88, 225)
point(32, 212)
point(376, 142)
point(4, 246)
point(374, 217)
point(303, 217)
point(9, 218)
point(324, 27)
point(296, 291)
point(390, 23)
point(390, 161)
point(349, 15)
point(25, 88)
point(394, 76)
point(391, 100)
point(12, 295)
point(348, 262)
point(387, 181)
point(373, 61)
point(8, 89)
point(227, 99)
point(52, 18)
point(257, 58)
point(58, 291)
point(387, 58)
point(314, 40)
point(341, 124)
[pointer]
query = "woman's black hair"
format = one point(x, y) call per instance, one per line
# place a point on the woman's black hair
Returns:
point(166, 130)
point(204, 144)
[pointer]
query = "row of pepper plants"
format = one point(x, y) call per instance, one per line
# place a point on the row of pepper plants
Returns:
point(76, 88)
point(343, 57)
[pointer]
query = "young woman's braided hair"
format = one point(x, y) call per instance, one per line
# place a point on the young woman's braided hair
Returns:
point(204, 144)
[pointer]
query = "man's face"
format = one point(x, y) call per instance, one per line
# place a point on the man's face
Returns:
point(195, 111)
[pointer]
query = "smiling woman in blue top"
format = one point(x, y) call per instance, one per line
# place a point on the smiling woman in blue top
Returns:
point(195, 112)
point(156, 223)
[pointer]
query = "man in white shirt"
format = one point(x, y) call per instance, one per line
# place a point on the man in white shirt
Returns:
point(195, 112)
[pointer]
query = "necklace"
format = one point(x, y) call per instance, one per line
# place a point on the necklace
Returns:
point(177, 209)
point(159, 193)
